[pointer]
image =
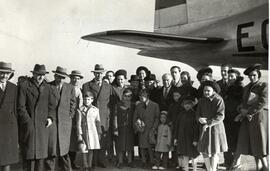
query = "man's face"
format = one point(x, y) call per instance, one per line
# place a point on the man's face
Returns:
point(175, 73)
point(224, 72)
point(39, 77)
point(143, 98)
point(98, 75)
point(167, 81)
point(110, 76)
point(74, 80)
point(4, 76)
point(58, 79)
point(134, 84)
point(150, 84)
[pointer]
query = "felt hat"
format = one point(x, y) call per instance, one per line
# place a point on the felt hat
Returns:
point(6, 67)
point(133, 78)
point(99, 68)
point(76, 73)
point(40, 69)
point(121, 72)
point(60, 71)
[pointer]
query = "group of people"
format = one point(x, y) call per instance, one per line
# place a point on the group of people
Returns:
point(53, 121)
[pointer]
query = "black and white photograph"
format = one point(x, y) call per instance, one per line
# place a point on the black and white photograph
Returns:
point(98, 85)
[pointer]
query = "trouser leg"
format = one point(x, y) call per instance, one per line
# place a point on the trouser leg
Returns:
point(165, 157)
point(157, 158)
point(72, 156)
point(151, 155)
point(64, 163)
point(5, 168)
point(85, 161)
point(120, 156)
point(50, 163)
point(143, 153)
point(90, 158)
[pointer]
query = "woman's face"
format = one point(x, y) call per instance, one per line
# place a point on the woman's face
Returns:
point(208, 91)
point(121, 80)
point(253, 76)
point(184, 79)
point(232, 77)
point(142, 74)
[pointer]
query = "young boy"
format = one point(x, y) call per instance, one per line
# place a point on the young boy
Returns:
point(89, 130)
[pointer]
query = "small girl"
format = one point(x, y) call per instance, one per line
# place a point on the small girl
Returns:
point(163, 144)
point(187, 134)
point(123, 125)
point(89, 130)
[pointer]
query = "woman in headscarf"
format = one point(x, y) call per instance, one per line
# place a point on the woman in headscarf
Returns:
point(253, 133)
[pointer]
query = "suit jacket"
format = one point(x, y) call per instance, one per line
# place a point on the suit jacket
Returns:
point(8, 125)
point(163, 102)
point(35, 105)
point(103, 100)
point(65, 110)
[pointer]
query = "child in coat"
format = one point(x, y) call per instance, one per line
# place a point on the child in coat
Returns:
point(123, 128)
point(89, 130)
point(163, 144)
point(187, 134)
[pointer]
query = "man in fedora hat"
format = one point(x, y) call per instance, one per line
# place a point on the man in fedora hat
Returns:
point(103, 94)
point(75, 78)
point(8, 118)
point(59, 136)
point(36, 110)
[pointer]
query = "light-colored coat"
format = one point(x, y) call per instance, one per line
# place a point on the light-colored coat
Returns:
point(150, 116)
point(89, 127)
point(61, 129)
point(164, 138)
point(8, 125)
point(103, 100)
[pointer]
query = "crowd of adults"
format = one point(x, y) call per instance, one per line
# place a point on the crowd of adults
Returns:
point(41, 117)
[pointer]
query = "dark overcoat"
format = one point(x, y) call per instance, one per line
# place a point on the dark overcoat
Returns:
point(124, 120)
point(8, 125)
point(253, 135)
point(150, 116)
point(35, 105)
point(103, 100)
point(213, 140)
point(164, 102)
point(60, 131)
point(232, 99)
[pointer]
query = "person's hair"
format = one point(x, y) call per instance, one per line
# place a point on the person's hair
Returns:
point(188, 75)
point(88, 94)
point(127, 91)
point(142, 68)
point(167, 74)
point(227, 65)
point(144, 92)
point(179, 69)
point(110, 71)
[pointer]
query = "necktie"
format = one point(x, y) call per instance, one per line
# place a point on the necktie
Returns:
point(166, 92)
point(2, 86)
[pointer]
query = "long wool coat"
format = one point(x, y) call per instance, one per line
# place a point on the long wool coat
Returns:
point(103, 100)
point(213, 140)
point(150, 116)
point(8, 125)
point(88, 123)
point(187, 133)
point(253, 135)
point(73, 137)
point(124, 125)
point(232, 99)
point(35, 105)
point(164, 138)
point(60, 131)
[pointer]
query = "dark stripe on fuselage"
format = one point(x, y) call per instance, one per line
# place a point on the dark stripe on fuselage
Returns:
point(161, 4)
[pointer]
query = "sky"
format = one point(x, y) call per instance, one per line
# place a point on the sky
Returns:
point(48, 32)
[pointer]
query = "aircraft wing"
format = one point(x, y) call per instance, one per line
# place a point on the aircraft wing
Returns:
point(148, 40)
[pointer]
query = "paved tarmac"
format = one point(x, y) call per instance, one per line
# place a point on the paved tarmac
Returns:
point(248, 164)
